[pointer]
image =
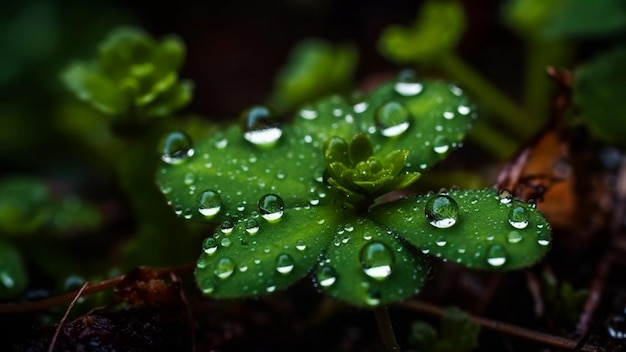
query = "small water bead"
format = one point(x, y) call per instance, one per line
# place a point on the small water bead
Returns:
point(616, 326)
point(392, 119)
point(514, 237)
point(496, 255)
point(227, 227)
point(441, 145)
point(373, 296)
point(271, 207)
point(505, 196)
point(209, 245)
point(252, 226)
point(209, 203)
point(377, 260)
point(464, 110)
point(518, 216)
point(441, 241)
point(441, 211)
point(176, 147)
point(226, 241)
point(260, 128)
point(543, 239)
point(207, 286)
point(187, 214)
point(448, 115)
point(308, 112)
point(326, 276)
point(270, 289)
point(300, 245)
point(407, 84)
point(284, 263)
point(178, 210)
point(225, 268)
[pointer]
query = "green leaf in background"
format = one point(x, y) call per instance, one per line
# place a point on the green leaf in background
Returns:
point(13, 277)
point(530, 17)
point(586, 19)
point(316, 68)
point(600, 94)
point(438, 28)
point(133, 76)
point(457, 334)
point(23, 205)
point(478, 229)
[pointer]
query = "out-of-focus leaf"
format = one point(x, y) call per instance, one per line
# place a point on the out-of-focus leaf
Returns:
point(23, 205)
point(584, 18)
point(530, 17)
point(13, 277)
point(457, 334)
point(600, 94)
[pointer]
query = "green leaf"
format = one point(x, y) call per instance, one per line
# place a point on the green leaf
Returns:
point(92, 87)
point(457, 333)
point(23, 205)
point(477, 229)
point(13, 277)
point(367, 265)
point(315, 68)
point(530, 17)
point(437, 30)
point(598, 91)
point(253, 256)
point(583, 19)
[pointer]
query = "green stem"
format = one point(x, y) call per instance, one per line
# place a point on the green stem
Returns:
point(386, 329)
point(491, 140)
point(511, 115)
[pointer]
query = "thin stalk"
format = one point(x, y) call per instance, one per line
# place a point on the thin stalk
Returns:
point(495, 142)
point(386, 329)
point(511, 115)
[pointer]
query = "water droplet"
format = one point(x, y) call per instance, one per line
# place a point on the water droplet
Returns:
point(189, 178)
point(300, 245)
point(407, 84)
point(326, 276)
point(308, 112)
point(441, 144)
point(464, 110)
point(209, 203)
point(616, 327)
point(518, 216)
point(225, 268)
point(207, 286)
point(505, 196)
point(227, 227)
point(284, 263)
point(209, 245)
point(260, 127)
point(270, 289)
point(441, 241)
point(448, 115)
point(392, 119)
point(496, 255)
point(176, 147)
point(271, 207)
point(252, 226)
point(543, 239)
point(372, 297)
point(188, 213)
point(376, 260)
point(441, 211)
point(178, 210)
point(226, 241)
point(514, 237)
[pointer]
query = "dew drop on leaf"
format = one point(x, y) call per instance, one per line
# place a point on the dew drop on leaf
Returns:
point(271, 207)
point(207, 286)
point(407, 84)
point(514, 237)
point(284, 263)
point(209, 203)
point(372, 297)
point(392, 119)
point(441, 145)
point(326, 276)
point(252, 226)
point(176, 147)
point(209, 245)
point(505, 196)
point(300, 245)
point(227, 227)
point(225, 268)
point(260, 128)
point(543, 239)
point(518, 216)
point(377, 260)
point(441, 211)
point(308, 112)
point(496, 255)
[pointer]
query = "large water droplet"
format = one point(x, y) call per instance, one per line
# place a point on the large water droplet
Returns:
point(284, 263)
point(441, 211)
point(496, 255)
point(376, 260)
point(271, 207)
point(209, 245)
point(407, 84)
point(392, 119)
point(326, 276)
point(209, 203)
point(441, 144)
point(225, 268)
point(176, 147)
point(260, 127)
point(518, 216)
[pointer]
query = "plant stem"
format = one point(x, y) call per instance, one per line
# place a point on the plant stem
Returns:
point(499, 145)
point(386, 329)
point(512, 116)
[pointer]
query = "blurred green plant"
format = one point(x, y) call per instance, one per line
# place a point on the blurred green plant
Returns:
point(456, 334)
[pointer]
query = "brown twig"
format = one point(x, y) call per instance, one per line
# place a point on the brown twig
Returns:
point(535, 291)
point(552, 340)
point(67, 312)
point(190, 320)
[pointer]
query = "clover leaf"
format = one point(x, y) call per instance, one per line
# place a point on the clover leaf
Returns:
point(304, 197)
point(133, 75)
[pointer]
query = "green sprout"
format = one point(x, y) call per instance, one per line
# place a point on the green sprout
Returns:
point(316, 196)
